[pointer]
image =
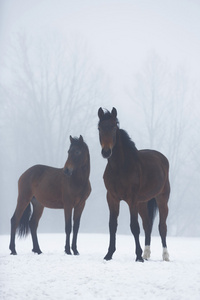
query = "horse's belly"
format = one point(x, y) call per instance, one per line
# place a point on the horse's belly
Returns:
point(53, 205)
point(49, 200)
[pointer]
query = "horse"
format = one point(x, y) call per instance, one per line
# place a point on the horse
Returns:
point(64, 188)
point(139, 177)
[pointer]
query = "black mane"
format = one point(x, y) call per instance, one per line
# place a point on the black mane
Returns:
point(126, 141)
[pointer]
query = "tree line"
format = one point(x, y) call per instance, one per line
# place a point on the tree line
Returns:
point(52, 89)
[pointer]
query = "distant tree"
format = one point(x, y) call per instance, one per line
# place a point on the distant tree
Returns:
point(50, 89)
point(52, 92)
point(150, 96)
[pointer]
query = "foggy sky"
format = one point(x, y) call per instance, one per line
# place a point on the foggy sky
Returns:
point(120, 36)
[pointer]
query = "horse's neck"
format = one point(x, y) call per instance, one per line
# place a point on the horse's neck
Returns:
point(118, 158)
point(81, 175)
point(123, 156)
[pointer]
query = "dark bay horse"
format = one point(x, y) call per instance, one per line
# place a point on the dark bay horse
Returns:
point(139, 177)
point(43, 186)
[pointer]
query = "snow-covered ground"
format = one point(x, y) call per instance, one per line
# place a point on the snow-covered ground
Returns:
point(54, 275)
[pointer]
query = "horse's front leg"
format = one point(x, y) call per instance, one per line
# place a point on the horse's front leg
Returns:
point(135, 229)
point(77, 216)
point(68, 227)
point(113, 204)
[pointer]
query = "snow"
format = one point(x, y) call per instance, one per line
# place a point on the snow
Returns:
point(55, 275)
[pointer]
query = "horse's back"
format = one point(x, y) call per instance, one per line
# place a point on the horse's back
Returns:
point(149, 157)
point(36, 173)
point(44, 183)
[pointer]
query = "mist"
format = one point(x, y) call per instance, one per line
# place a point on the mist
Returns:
point(61, 61)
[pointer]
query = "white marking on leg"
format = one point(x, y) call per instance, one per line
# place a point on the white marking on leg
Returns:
point(147, 252)
point(165, 254)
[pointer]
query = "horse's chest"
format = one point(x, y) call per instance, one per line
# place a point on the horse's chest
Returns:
point(76, 192)
point(118, 184)
point(121, 188)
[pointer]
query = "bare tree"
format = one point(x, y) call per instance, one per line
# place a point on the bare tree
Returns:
point(50, 89)
point(150, 96)
point(54, 91)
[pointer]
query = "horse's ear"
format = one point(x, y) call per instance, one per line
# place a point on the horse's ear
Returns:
point(100, 113)
point(71, 139)
point(114, 112)
point(81, 139)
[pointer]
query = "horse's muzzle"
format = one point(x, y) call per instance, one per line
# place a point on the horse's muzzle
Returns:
point(106, 153)
point(68, 171)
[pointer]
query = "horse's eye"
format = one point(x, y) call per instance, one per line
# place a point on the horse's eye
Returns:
point(77, 152)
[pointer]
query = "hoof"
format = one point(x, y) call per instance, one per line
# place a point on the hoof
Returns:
point(76, 252)
point(68, 252)
point(147, 253)
point(107, 257)
point(166, 258)
point(37, 251)
point(139, 259)
point(165, 254)
point(13, 253)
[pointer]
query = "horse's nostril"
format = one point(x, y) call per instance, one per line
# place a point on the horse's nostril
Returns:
point(68, 172)
point(106, 153)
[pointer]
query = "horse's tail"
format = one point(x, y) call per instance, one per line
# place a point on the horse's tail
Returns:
point(23, 228)
point(152, 209)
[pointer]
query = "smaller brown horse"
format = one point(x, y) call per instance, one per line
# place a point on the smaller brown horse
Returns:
point(45, 186)
point(140, 177)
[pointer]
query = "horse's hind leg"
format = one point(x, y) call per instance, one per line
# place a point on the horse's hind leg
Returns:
point(135, 229)
point(37, 213)
point(20, 208)
point(162, 202)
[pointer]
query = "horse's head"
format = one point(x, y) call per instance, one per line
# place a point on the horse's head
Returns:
point(78, 155)
point(108, 125)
